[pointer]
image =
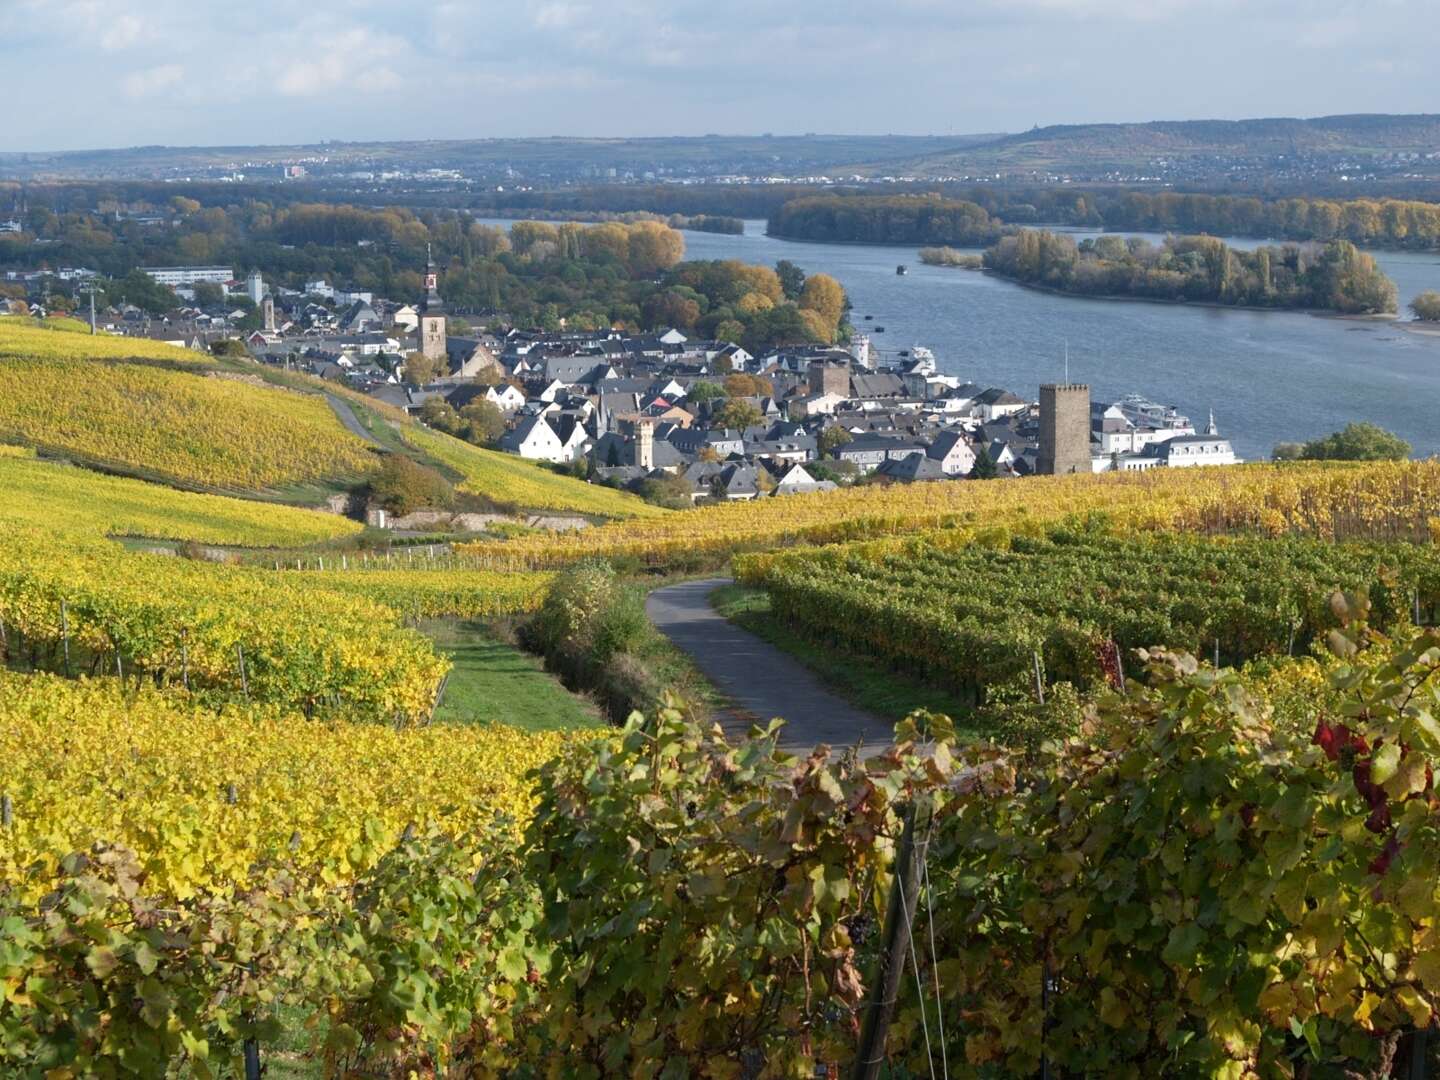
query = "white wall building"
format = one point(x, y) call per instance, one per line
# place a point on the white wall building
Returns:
point(189, 275)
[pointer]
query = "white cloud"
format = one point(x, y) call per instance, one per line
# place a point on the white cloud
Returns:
point(356, 60)
point(152, 81)
point(112, 26)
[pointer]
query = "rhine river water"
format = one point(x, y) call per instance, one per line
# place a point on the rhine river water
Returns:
point(1269, 376)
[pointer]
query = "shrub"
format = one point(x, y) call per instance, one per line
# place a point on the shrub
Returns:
point(403, 486)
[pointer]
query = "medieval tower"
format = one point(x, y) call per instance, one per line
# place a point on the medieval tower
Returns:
point(1064, 429)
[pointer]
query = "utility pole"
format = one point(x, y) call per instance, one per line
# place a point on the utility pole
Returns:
point(899, 918)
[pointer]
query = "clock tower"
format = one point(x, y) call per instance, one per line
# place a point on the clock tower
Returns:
point(432, 314)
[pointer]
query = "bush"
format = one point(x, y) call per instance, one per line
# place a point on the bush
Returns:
point(593, 631)
point(1426, 306)
point(1357, 442)
point(403, 486)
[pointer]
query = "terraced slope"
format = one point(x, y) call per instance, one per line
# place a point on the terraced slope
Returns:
point(61, 498)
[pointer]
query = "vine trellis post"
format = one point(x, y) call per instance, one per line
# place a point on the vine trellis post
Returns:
point(899, 915)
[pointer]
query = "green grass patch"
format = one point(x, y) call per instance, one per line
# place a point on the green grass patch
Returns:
point(493, 682)
point(857, 679)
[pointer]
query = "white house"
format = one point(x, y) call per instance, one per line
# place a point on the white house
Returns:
point(505, 397)
point(1185, 451)
point(534, 439)
point(951, 451)
point(996, 403)
point(796, 481)
point(552, 390)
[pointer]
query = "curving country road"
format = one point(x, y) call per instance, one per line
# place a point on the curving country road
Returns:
point(346, 415)
point(760, 680)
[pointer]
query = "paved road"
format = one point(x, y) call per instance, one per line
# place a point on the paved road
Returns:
point(760, 680)
point(347, 417)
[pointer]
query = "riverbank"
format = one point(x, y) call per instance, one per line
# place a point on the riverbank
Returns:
point(1324, 313)
point(1102, 230)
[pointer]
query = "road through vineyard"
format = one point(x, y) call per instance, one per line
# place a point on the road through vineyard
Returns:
point(758, 678)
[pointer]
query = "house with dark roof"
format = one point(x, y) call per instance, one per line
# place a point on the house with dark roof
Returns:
point(912, 467)
point(867, 452)
point(952, 452)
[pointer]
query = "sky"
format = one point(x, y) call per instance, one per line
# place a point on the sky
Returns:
point(109, 73)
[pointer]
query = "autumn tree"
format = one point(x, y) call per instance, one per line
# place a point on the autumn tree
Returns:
point(670, 309)
point(525, 235)
point(1360, 441)
point(609, 239)
point(654, 247)
point(403, 486)
point(818, 325)
point(742, 385)
point(739, 414)
point(729, 330)
point(823, 294)
point(1426, 306)
point(483, 422)
point(831, 439)
point(420, 370)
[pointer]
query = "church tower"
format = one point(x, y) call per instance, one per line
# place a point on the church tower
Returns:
point(432, 315)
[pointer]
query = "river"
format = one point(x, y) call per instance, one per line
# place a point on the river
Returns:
point(1269, 376)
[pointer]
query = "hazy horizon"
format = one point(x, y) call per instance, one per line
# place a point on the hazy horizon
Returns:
point(89, 74)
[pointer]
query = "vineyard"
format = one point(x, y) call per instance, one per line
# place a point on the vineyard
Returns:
point(424, 594)
point(201, 795)
point(1061, 607)
point(27, 341)
point(1194, 889)
point(1323, 500)
point(65, 499)
point(184, 427)
point(76, 606)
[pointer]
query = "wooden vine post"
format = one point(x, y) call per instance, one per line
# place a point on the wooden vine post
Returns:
point(899, 917)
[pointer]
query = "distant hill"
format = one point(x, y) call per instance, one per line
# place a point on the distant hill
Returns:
point(535, 157)
point(1092, 148)
point(1211, 148)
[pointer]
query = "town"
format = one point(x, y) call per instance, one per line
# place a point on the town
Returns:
point(673, 418)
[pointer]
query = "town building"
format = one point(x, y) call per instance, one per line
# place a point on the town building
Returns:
point(190, 275)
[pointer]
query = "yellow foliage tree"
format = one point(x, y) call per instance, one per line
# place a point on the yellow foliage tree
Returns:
point(753, 302)
point(654, 246)
point(823, 294)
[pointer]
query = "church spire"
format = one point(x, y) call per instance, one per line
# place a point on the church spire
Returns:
point(432, 302)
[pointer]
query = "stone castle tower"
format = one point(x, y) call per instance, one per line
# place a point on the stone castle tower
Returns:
point(432, 314)
point(1064, 429)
